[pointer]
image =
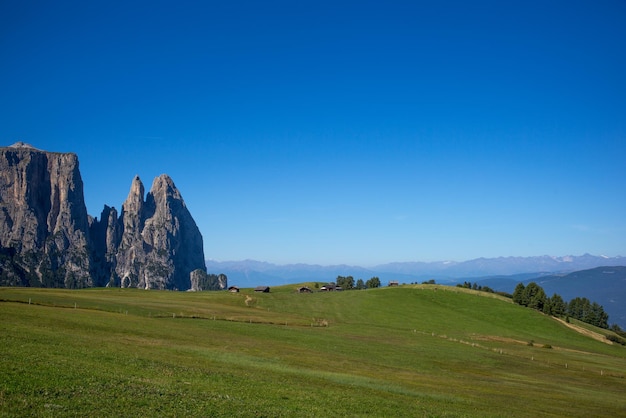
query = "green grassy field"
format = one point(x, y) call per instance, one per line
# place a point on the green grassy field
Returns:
point(407, 351)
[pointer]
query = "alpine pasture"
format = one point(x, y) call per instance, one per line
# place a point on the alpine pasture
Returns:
point(413, 350)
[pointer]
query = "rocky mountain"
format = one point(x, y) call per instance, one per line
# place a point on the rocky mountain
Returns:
point(47, 238)
point(154, 243)
point(44, 227)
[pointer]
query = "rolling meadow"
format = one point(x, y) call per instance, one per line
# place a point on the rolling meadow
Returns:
point(415, 350)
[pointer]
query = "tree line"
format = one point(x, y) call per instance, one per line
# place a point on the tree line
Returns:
point(476, 286)
point(582, 309)
point(348, 283)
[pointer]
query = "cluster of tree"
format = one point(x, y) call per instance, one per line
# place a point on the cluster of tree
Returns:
point(620, 338)
point(348, 283)
point(533, 296)
point(618, 330)
point(476, 286)
point(590, 312)
point(32, 268)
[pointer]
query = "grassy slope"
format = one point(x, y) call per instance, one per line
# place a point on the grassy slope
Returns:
point(408, 351)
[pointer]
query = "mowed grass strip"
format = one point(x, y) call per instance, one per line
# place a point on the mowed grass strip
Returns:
point(408, 351)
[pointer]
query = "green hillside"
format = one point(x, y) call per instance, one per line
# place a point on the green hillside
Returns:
point(405, 351)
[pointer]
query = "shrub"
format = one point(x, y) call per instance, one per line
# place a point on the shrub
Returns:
point(614, 338)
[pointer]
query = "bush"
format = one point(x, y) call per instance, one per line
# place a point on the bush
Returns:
point(614, 338)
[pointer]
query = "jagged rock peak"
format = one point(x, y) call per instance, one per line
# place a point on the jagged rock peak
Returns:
point(134, 201)
point(163, 185)
point(160, 243)
point(136, 188)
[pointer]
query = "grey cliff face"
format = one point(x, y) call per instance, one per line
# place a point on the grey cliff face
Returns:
point(105, 238)
point(47, 238)
point(43, 219)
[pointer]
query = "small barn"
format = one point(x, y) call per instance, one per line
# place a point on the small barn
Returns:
point(262, 289)
point(394, 283)
point(233, 289)
point(304, 289)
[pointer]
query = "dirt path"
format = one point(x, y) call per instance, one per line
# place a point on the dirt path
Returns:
point(584, 331)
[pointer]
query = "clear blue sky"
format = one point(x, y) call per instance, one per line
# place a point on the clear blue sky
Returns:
point(338, 132)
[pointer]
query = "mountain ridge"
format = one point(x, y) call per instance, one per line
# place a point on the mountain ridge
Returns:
point(446, 271)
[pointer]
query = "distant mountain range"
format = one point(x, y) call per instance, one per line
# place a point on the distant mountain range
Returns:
point(249, 273)
point(605, 285)
point(598, 278)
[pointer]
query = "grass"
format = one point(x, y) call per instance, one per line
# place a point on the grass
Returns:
point(407, 351)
